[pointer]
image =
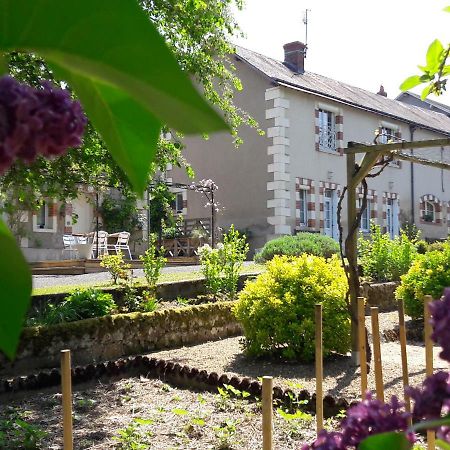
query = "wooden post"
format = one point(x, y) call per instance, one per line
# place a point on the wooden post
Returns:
point(351, 255)
point(66, 381)
point(431, 437)
point(267, 412)
point(319, 369)
point(362, 345)
point(377, 353)
point(404, 356)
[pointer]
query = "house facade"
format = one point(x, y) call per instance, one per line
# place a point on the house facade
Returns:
point(290, 179)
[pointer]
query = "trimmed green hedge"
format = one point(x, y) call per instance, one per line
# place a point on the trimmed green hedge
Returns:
point(310, 243)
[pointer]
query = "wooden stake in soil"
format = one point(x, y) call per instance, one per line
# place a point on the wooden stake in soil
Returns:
point(66, 381)
point(267, 412)
point(362, 345)
point(404, 356)
point(431, 437)
point(377, 353)
point(319, 369)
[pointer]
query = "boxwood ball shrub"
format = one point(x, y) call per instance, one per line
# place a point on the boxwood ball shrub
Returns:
point(310, 243)
point(428, 275)
point(80, 304)
point(276, 310)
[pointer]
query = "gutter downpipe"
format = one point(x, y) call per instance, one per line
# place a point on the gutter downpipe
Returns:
point(412, 128)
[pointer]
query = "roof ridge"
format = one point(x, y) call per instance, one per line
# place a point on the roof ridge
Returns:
point(305, 81)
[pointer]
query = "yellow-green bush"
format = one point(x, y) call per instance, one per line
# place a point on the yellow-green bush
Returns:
point(277, 309)
point(429, 275)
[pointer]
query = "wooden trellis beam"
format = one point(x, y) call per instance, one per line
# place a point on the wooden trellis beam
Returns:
point(357, 147)
point(423, 161)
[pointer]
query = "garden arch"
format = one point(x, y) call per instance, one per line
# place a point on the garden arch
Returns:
point(376, 156)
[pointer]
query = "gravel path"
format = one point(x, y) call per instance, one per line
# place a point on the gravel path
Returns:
point(340, 377)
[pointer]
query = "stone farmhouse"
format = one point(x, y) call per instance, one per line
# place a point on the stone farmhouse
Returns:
point(289, 180)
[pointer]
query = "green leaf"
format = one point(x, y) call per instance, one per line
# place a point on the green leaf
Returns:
point(386, 441)
point(3, 64)
point(410, 82)
point(180, 412)
point(446, 9)
point(140, 421)
point(426, 91)
point(114, 41)
point(129, 130)
point(15, 293)
point(433, 55)
point(110, 47)
point(442, 444)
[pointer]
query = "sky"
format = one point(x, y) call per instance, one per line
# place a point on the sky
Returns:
point(362, 43)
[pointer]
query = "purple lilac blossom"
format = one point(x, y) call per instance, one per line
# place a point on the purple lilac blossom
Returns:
point(364, 419)
point(433, 398)
point(440, 320)
point(37, 122)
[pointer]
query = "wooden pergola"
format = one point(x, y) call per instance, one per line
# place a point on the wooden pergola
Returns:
point(357, 174)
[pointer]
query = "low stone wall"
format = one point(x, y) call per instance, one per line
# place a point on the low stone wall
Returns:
point(381, 295)
point(111, 337)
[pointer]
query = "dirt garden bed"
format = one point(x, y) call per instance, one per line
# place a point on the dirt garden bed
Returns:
point(157, 415)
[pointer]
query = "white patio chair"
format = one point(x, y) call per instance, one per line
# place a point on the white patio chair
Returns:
point(122, 243)
point(68, 243)
point(102, 244)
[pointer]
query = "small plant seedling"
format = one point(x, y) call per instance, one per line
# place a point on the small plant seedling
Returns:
point(166, 388)
point(225, 433)
point(16, 432)
point(135, 436)
point(180, 412)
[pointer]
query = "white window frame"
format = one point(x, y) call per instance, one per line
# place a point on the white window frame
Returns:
point(303, 194)
point(388, 131)
point(428, 203)
point(327, 131)
point(179, 202)
point(365, 217)
point(50, 222)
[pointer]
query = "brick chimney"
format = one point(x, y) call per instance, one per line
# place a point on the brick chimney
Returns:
point(294, 56)
point(382, 91)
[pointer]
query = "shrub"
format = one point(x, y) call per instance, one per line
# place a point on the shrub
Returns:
point(383, 258)
point(221, 265)
point(80, 304)
point(116, 266)
point(152, 263)
point(310, 243)
point(429, 275)
point(436, 246)
point(277, 309)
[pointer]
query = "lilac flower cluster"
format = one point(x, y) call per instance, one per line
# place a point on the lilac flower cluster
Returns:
point(440, 320)
point(365, 419)
point(36, 122)
point(432, 398)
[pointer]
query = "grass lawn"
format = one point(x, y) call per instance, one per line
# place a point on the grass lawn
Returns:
point(140, 281)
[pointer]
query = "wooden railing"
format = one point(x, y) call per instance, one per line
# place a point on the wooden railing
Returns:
point(182, 246)
point(186, 228)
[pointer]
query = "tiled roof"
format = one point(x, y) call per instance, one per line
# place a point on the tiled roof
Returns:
point(341, 92)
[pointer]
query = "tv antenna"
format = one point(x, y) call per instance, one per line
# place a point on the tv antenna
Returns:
point(305, 22)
